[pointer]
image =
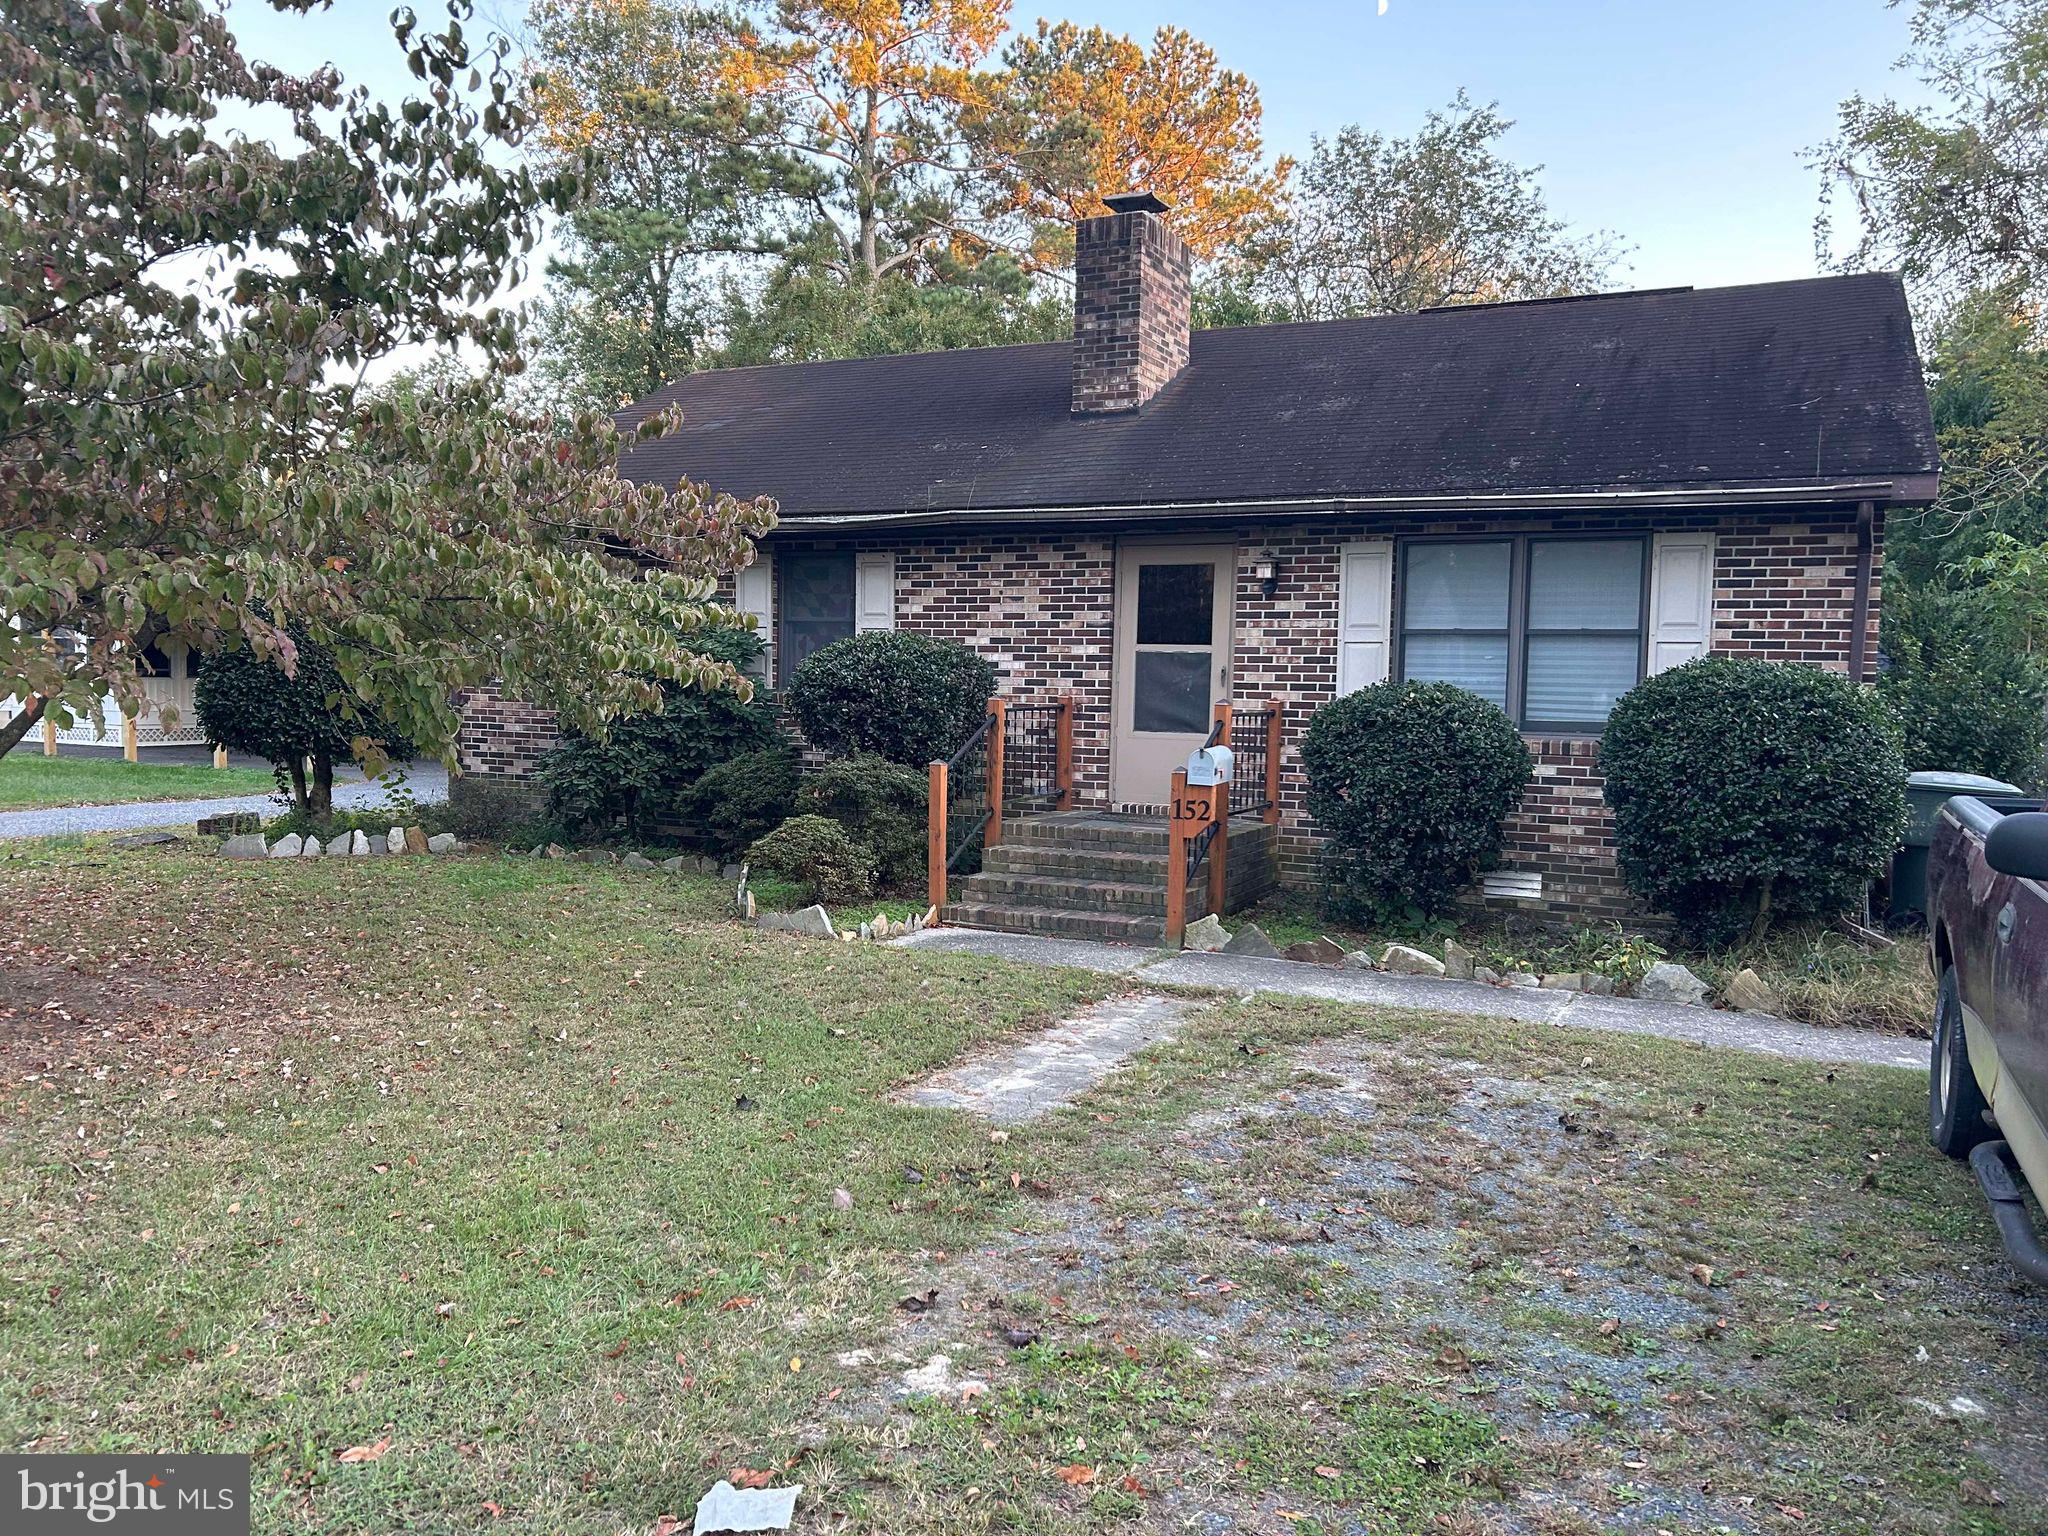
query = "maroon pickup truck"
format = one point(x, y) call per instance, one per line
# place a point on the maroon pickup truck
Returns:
point(1987, 925)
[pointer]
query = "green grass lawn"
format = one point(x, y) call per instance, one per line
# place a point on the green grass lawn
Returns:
point(517, 1178)
point(30, 781)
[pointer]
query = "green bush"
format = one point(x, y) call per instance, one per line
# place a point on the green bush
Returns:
point(907, 697)
point(739, 800)
point(247, 704)
point(881, 804)
point(1750, 792)
point(815, 854)
point(1964, 701)
point(1409, 784)
point(643, 771)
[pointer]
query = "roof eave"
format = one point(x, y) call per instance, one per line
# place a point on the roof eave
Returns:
point(1915, 489)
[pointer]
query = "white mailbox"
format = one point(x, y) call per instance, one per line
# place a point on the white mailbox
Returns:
point(1209, 765)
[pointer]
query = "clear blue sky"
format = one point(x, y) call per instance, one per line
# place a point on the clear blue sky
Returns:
point(1681, 125)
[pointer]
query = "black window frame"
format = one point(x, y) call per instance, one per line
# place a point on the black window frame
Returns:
point(1518, 630)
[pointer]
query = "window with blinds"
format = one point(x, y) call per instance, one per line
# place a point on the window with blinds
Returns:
point(1550, 629)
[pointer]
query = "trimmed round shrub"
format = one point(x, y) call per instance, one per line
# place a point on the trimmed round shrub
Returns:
point(881, 804)
point(1409, 784)
point(1749, 792)
point(907, 697)
point(745, 797)
point(815, 854)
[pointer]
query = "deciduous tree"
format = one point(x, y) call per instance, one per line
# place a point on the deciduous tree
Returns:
point(1381, 225)
point(184, 448)
point(1086, 113)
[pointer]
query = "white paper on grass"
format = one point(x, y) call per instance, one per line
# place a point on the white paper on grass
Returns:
point(726, 1508)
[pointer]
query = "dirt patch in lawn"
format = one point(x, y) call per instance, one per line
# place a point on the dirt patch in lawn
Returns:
point(1396, 1294)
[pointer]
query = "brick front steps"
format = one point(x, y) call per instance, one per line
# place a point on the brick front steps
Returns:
point(1094, 875)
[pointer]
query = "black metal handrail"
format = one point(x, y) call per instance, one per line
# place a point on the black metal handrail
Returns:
point(967, 793)
point(1031, 763)
point(1248, 776)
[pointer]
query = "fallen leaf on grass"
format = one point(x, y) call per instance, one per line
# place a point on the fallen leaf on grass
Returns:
point(917, 1304)
point(1329, 1472)
point(751, 1477)
point(1980, 1494)
point(1075, 1475)
point(365, 1452)
point(1704, 1273)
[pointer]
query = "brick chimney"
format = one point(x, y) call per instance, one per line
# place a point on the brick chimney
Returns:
point(1132, 289)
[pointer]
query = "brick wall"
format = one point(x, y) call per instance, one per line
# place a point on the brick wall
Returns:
point(500, 741)
point(1041, 607)
point(1132, 289)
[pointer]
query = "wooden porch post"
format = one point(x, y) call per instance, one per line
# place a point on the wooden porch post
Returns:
point(1219, 847)
point(1063, 752)
point(128, 742)
point(1273, 762)
point(935, 836)
point(1178, 815)
point(997, 709)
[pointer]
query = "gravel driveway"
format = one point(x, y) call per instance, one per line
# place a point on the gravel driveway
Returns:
point(427, 781)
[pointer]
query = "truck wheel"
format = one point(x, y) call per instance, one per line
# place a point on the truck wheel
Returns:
point(1955, 1104)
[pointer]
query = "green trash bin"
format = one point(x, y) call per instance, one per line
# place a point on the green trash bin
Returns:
point(1926, 793)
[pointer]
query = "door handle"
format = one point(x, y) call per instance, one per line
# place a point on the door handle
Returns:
point(2005, 922)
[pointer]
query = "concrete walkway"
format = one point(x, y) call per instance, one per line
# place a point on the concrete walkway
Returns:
point(1580, 1010)
point(428, 783)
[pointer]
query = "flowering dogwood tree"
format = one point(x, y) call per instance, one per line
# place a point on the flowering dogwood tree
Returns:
point(187, 449)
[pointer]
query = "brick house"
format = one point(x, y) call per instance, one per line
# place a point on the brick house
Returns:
point(1543, 502)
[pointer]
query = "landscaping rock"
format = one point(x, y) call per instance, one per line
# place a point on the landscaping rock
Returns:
point(233, 824)
point(1751, 993)
point(144, 840)
point(394, 840)
point(1671, 983)
point(415, 840)
point(1563, 981)
point(1521, 979)
point(706, 864)
point(1487, 974)
point(593, 856)
point(1599, 985)
point(1251, 940)
point(1404, 960)
point(638, 860)
point(359, 844)
point(814, 922)
point(732, 871)
point(1315, 952)
point(444, 842)
point(1205, 934)
point(337, 845)
point(288, 846)
point(1360, 960)
point(555, 851)
point(677, 865)
point(245, 845)
point(1458, 960)
point(310, 848)
point(772, 922)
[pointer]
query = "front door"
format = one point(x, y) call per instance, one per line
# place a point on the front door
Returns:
point(1173, 625)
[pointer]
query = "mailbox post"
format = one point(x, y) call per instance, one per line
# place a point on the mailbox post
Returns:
point(1200, 800)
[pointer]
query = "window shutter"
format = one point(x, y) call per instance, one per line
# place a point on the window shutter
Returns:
point(754, 594)
point(874, 590)
point(1681, 598)
point(1365, 606)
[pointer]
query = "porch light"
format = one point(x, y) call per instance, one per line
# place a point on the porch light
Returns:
point(1266, 572)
